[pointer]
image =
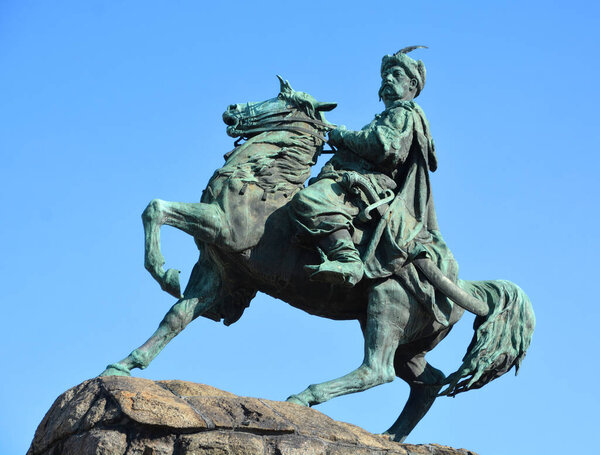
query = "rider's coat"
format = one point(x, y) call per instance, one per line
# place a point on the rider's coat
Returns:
point(395, 151)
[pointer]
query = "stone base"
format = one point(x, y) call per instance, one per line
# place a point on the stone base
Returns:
point(127, 416)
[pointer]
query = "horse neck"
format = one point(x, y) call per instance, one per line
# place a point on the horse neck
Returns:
point(289, 153)
point(259, 178)
point(305, 138)
point(285, 158)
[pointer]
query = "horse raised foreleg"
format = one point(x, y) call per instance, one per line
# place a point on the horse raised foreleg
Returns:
point(387, 317)
point(178, 317)
point(205, 222)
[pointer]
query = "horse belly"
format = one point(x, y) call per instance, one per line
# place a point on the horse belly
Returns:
point(277, 266)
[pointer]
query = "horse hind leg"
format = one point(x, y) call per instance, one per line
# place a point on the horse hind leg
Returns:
point(387, 315)
point(176, 319)
point(205, 292)
point(424, 380)
point(205, 222)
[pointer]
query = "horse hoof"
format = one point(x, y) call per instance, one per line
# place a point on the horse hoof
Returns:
point(387, 436)
point(171, 283)
point(297, 400)
point(115, 370)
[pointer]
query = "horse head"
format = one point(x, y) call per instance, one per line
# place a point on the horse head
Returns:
point(287, 109)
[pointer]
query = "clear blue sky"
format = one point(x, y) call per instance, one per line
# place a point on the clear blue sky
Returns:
point(106, 105)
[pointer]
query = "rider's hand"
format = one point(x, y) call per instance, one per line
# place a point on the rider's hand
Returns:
point(336, 136)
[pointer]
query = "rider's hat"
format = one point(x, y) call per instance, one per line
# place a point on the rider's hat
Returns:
point(414, 68)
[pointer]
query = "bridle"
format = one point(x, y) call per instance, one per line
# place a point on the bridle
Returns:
point(280, 121)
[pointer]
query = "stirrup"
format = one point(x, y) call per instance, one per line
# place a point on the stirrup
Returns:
point(346, 274)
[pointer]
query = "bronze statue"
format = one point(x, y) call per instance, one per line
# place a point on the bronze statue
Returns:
point(360, 242)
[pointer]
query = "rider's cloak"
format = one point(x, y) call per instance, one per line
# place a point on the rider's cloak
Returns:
point(398, 144)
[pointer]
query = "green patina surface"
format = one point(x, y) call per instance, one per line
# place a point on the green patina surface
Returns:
point(361, 241)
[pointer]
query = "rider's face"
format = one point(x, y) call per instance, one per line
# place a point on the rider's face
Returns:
point(396, 85)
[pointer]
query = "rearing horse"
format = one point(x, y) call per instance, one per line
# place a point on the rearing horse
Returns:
point(246, 241)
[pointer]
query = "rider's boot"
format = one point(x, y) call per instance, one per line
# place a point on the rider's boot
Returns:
point(341, 262)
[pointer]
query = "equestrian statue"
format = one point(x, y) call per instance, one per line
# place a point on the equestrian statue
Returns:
point(360, 241)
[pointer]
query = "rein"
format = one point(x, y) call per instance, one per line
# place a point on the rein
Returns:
point(263, 127)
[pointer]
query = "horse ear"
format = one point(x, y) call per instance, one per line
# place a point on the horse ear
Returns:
point(284, 86)
point(325, 106)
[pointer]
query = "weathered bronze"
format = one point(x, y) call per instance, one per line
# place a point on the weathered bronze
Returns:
point(361, 241)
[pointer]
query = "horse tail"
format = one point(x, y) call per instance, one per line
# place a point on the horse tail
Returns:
point(501, 337)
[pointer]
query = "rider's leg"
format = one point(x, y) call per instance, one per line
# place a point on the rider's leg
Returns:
point(341, 260)
point(387, 319)
point(425, 382)
point(206, 222)
point(323, 214)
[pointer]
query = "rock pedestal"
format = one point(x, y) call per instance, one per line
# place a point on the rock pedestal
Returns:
point(127, 416)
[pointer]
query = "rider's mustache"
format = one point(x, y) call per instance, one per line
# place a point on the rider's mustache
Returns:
point(384, 85)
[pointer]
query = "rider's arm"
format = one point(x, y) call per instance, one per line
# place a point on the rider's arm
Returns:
point(380, 142)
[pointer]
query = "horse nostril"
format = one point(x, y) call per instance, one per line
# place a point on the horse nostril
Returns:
point(228, 118)
point(233, 107)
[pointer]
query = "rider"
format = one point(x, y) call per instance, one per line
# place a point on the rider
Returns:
point(395, 152)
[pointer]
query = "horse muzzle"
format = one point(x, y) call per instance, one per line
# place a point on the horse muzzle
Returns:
point(230, 116)
point(232, 120)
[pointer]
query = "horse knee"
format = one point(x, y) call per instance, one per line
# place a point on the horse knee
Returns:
point(152, 211)
point(417, 370)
